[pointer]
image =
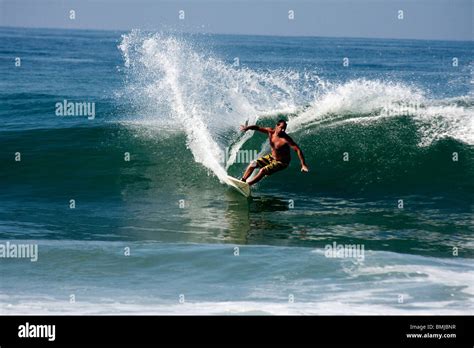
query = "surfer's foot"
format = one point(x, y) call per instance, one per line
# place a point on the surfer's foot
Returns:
point(242, 179)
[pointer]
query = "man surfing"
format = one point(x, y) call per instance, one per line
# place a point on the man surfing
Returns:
point(279, 159)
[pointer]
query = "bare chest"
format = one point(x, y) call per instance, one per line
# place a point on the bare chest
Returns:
point(277, 143)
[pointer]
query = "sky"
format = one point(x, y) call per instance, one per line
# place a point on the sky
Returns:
point(422, 19)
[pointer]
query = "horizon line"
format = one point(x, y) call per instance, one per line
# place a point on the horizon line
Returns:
point(235, 34)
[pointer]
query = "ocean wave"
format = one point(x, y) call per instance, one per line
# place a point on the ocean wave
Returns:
point(258, 283)
point(358, 136)
point(392, 131)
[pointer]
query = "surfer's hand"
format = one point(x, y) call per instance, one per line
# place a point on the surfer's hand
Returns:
point(243, 128)
point(304, 168)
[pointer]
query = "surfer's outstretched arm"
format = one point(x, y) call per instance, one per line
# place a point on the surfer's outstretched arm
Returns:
point(257, 128)
point(299, 152)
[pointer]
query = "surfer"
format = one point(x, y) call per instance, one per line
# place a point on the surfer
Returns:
point(279, 158)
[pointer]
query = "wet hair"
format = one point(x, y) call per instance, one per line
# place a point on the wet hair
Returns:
point(282, 121)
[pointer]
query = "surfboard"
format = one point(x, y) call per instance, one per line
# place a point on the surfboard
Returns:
point(242, 187)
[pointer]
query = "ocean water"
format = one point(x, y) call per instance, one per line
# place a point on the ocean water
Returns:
point(388, 140)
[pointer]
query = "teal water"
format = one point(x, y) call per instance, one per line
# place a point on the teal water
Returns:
point(399, 111)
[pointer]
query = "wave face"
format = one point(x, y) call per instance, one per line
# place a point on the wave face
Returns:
point(358, 135)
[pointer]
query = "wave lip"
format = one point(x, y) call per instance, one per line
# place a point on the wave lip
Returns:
point(368, 101)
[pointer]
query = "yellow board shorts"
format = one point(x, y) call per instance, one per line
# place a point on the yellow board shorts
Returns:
point(270, 165)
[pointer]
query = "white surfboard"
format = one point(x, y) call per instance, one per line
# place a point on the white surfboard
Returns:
point(242, 187)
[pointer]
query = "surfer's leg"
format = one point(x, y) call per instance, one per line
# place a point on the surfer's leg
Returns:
point(271, 168)
point(257, 178)
point(249, 170)
point(260, 163)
